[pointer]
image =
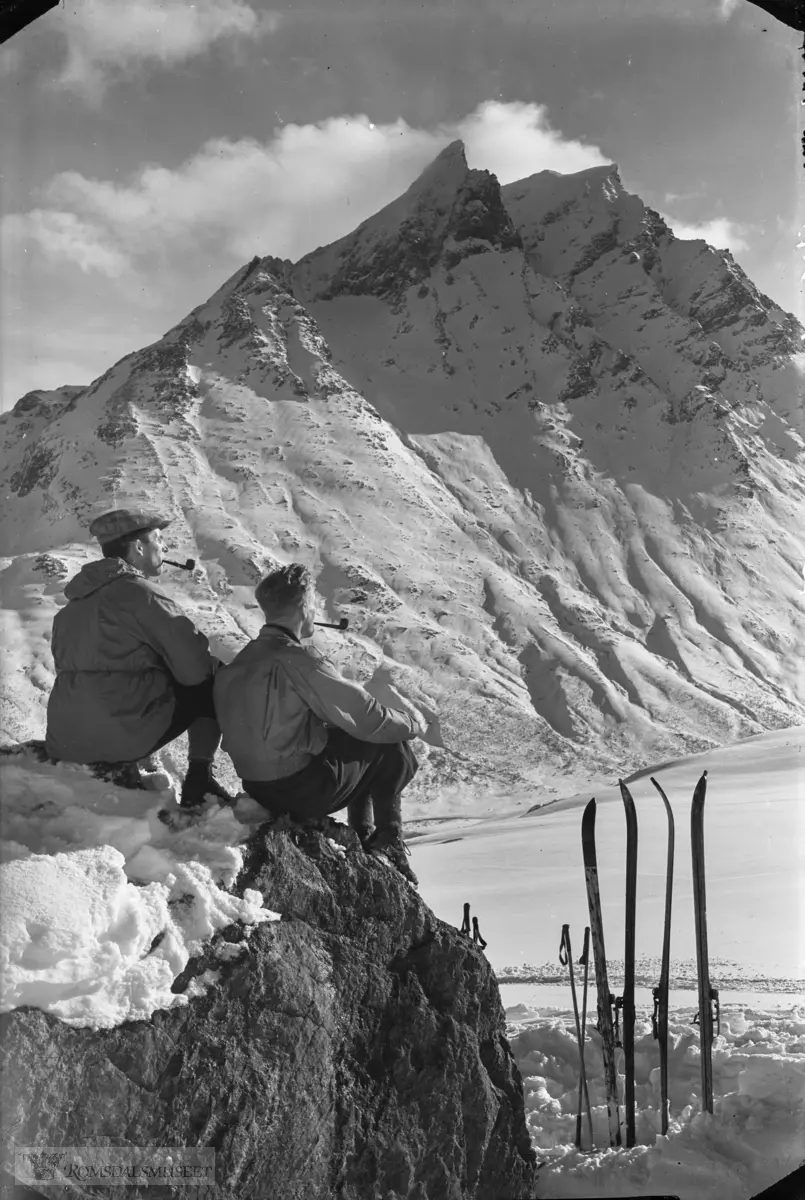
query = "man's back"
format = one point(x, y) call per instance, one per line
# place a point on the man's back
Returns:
point(115, 646)
point(276, 699)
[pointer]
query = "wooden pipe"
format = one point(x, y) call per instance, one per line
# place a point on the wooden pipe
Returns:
point(189, 565)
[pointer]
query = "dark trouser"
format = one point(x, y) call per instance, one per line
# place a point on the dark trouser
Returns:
point(363, 777)
point(195, 715)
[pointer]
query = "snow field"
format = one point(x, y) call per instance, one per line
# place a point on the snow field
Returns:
point(753, 1138)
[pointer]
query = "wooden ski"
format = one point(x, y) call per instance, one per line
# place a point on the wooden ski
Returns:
point(626, 1001)
point(708, 995)
point(605, 998)
point(659, 1019)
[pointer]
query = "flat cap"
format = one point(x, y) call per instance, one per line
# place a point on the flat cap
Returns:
point(112, 525)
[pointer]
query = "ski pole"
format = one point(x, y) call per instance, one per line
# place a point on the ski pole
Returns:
point(585, 961)
point(566, 959)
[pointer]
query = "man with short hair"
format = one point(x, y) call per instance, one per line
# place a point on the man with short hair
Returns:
point(132, 671)
point(304, 740)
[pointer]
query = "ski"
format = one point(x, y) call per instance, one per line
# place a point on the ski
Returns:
point(626, 1001)
point(605, 998)
point(659, 1020)
point(708, 995)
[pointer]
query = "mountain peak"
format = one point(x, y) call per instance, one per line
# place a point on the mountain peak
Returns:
point(448, 168)
point(399, 246)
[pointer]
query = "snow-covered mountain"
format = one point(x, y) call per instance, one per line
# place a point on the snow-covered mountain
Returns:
point(547, 457)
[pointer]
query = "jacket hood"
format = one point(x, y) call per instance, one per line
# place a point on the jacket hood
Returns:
point(96, 575)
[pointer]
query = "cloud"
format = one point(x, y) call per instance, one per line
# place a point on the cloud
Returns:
point(61, 235)
point(720, 232)
point(672, 198)
point(104, 39)
point(515, 140)
point(727, 8)
point(306, 186)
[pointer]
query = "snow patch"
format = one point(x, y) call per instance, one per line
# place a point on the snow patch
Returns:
point(103, 905)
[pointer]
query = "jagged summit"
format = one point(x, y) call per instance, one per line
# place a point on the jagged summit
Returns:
point(441, 179)
point(546, 456)
point(447, 206)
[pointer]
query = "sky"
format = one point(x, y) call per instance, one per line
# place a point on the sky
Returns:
point(150, 148)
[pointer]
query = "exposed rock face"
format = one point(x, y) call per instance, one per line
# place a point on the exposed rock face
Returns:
point(356, 1050)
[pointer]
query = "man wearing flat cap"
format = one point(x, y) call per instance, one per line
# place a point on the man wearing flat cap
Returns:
point(132, 671)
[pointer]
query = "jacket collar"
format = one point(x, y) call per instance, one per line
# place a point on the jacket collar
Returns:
point(97, 574)
point(271, 628)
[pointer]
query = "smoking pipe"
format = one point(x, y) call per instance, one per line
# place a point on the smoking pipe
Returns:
point(189, 565)
point(342, 624)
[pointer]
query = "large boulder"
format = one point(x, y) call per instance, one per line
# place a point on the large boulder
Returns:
point(353, 1049)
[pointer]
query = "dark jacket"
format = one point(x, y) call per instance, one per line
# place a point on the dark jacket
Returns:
point(118, 644)
point(276, 699)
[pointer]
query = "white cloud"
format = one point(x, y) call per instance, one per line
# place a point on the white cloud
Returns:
point(516, 140)
point(721, 233)
point(105, 39)
point(680, 197)
point(727, 8)
point(305, 187)
point(61, 235)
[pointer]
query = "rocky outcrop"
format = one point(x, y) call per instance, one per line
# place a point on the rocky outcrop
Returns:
point(353, 1049)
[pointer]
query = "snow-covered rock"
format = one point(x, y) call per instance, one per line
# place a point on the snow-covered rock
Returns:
point(547, 458)
point(354, 1048)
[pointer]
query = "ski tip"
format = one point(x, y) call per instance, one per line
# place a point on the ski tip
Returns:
point(699, 795)
point(589, 811)
point(662, 794)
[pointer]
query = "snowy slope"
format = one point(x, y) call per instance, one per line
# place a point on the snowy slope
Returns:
point(545, 456)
